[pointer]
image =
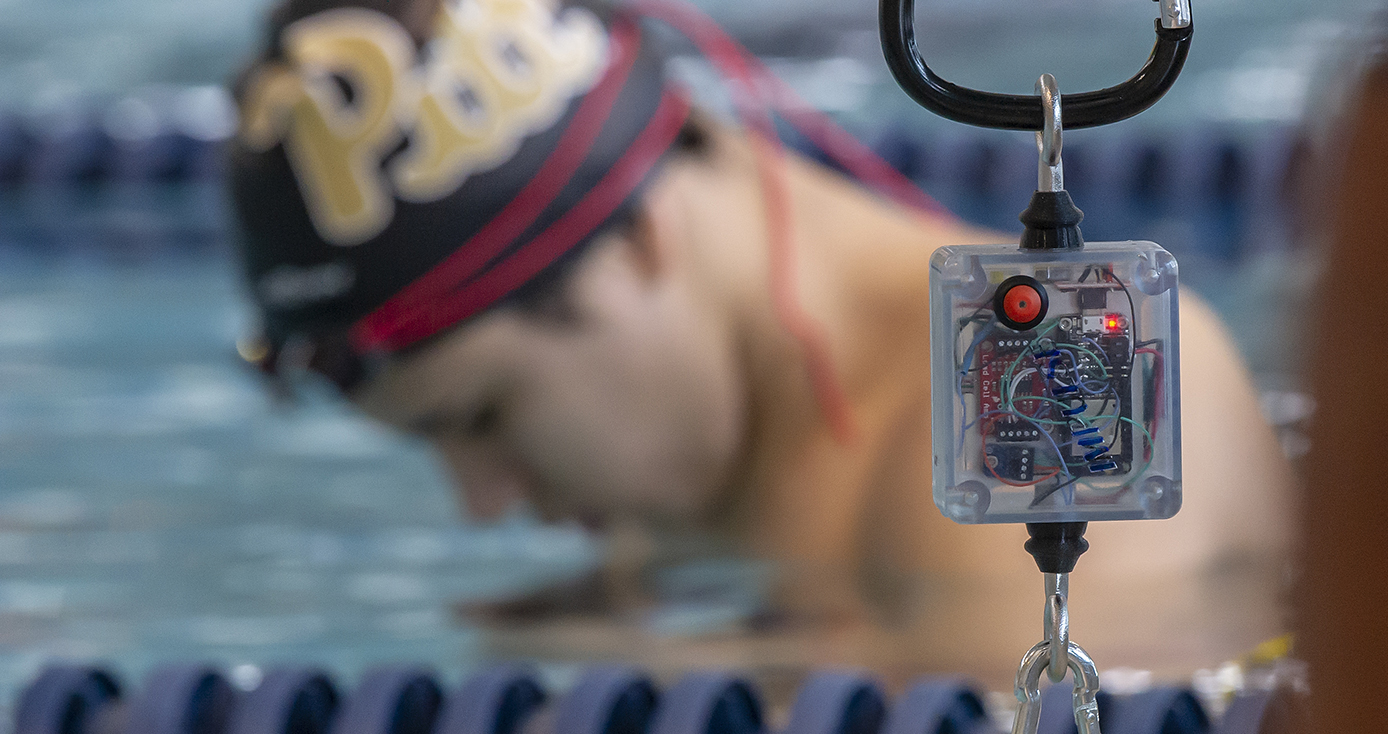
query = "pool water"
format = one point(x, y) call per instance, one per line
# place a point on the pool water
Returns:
point(156, 504)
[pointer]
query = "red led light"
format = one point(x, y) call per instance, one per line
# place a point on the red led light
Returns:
point(1114, 322)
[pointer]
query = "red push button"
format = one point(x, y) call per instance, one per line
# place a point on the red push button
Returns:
point(1022, 304)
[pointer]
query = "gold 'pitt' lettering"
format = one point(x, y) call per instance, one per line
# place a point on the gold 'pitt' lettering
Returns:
point(349, 91)
point(499, 69)
point(333, 105)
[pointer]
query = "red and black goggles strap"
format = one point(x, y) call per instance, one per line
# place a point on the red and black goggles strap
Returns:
point(477, 275)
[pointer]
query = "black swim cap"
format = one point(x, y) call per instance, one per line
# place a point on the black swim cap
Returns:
point(392, 184)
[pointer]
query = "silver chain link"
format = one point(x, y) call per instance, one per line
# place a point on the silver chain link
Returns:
point(1054, 656)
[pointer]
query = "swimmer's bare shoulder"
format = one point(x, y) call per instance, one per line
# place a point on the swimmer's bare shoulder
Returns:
point(935, 596)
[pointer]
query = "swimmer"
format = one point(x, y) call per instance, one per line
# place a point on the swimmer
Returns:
point(495, 225)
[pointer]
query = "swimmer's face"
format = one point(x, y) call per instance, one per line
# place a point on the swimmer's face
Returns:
point(621, 396)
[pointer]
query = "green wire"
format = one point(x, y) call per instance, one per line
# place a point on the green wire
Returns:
point(1102, 369)
point(1150, 444)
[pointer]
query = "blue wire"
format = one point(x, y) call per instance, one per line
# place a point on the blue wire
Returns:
point(1098, 350)
point(1084, 384)
point(1074, 360)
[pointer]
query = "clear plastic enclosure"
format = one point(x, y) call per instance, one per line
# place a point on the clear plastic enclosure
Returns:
point(1055, 383)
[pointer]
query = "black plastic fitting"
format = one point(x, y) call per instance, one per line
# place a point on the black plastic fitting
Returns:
point(1056, 546)
point(1052, 222)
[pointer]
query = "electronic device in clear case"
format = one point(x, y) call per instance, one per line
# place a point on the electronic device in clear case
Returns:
point(1055, 391)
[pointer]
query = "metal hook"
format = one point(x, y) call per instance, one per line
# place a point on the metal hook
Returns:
point(1019, 112)
point(1050, 173)
point(1058, 634)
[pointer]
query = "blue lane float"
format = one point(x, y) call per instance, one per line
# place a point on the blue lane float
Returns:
point(710, 702)
point(65, 699)
point(613, 699)
point(287, 701)
point(181, 699)
point(838, 703)
point(946, 706)
point(495, 701)
point(391, 700)
point(608, 700)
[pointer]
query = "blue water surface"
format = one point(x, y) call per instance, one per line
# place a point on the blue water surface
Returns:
point(157, 505)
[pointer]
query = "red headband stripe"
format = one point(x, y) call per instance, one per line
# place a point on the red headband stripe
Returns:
point(488, 243)
point(551, 244)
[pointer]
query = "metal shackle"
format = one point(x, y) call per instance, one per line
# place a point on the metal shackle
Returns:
point(1085, 698)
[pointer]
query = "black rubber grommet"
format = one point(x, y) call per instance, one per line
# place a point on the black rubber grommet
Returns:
point(391, 700)
point(838, 702)
point(942, 706)
point(1000, 302)
point(608, 700)
point(63, 699)
point(1056, 546)
point(183, 699)
point(1052, 222)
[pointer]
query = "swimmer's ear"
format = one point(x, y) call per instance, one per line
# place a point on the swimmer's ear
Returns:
point(643, 240)
point(652, 233)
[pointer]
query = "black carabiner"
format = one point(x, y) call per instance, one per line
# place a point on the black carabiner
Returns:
point(1021, 112)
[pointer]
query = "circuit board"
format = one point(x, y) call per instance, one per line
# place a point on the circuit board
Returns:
point(1018, 415)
